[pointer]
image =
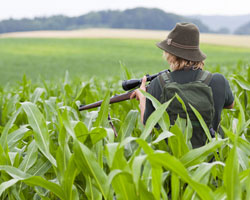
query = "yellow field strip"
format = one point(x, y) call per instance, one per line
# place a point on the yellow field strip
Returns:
point(218, 39)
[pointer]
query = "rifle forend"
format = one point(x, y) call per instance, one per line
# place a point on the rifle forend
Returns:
point(114, 99)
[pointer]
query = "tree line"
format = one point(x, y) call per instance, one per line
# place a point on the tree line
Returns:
point(137, 18)
point(244, 30)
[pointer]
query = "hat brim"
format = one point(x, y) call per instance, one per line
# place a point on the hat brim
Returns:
point(187, 54)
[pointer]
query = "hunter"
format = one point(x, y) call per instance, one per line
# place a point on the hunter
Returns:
point(208, 93)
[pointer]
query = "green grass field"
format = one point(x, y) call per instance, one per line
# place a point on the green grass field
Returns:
point(50, 58)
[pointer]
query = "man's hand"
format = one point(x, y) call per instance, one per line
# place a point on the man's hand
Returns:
point(137, 93)
point(139, 96)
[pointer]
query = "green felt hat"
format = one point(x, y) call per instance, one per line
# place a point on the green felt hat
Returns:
point(183, 42)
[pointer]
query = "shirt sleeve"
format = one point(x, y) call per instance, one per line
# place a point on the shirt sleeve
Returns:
point(229, 98)
point(155, 90)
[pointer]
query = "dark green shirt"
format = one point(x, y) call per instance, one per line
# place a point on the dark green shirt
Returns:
point(222, 93)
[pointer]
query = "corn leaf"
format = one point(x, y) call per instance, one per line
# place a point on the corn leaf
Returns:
point(32, 180)
point(30, 158)
point(175, 166)
point(5, 185)
point(16, 136)
point(87, 163)
point(39, 126)
point(153, 119)
point(164, 122)
point(128, 125)
point(199, 154)
point(4, 135)
point(175, 187)
point(231, 176)
point(242, 82)
point(136, 170)
point(156, 182)
point(103, 113)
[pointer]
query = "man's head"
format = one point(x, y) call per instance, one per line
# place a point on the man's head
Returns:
point(183, 43)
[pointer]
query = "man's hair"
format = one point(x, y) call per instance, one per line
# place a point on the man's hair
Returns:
point(177, 63)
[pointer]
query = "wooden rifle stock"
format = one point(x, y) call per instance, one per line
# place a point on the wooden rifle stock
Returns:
point(114, 99)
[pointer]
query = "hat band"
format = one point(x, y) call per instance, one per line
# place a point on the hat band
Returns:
point(170, 42)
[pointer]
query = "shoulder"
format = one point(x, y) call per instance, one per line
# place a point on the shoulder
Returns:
point(154, 84)
point(219, 83)
point(218, 78)
point(154, 87)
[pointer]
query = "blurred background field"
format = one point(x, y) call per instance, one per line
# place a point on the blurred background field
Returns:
point(50, 58)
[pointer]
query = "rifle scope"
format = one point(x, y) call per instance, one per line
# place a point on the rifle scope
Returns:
point(133, 83)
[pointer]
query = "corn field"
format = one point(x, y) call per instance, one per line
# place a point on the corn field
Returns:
point(50, 150)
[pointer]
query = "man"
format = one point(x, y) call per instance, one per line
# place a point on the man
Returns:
point(182, 52)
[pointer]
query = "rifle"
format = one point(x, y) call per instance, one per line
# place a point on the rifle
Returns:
point(126, 85)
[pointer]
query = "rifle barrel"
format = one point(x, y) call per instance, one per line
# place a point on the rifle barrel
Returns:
point(114, 99)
